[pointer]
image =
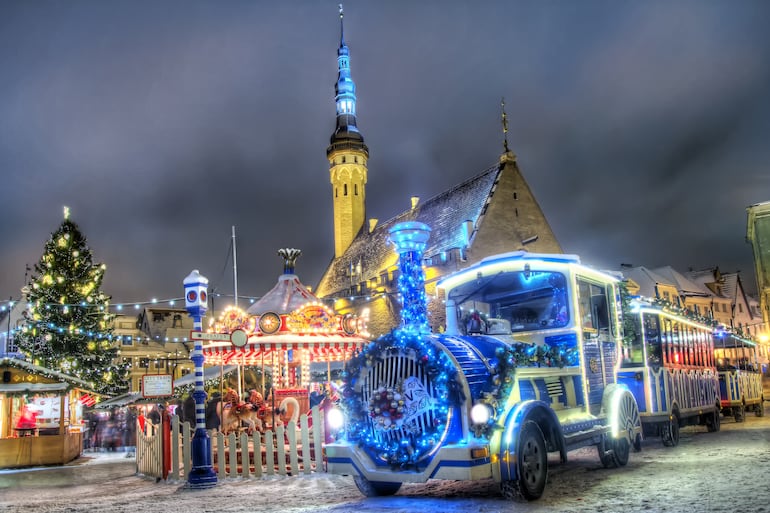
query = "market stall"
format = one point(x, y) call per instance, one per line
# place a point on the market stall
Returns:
point(41, 415)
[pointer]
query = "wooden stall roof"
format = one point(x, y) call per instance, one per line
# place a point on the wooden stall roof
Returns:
point(27, 377)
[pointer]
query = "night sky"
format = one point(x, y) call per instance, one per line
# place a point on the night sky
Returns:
point(643, 128)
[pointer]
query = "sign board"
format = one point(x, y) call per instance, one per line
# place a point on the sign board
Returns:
point(157, 385)
point(218, 337)
point(238, 337)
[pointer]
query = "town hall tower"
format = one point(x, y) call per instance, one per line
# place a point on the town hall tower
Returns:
point(347, 155)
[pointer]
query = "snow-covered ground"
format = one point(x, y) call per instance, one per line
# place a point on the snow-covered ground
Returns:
point(708, 472)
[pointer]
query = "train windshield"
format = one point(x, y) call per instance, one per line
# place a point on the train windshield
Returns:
point(512, 302)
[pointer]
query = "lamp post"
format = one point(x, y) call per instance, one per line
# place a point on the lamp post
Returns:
point(202, 474)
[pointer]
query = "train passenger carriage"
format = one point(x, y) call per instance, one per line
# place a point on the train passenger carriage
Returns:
point(668, 364)
point(740, 377)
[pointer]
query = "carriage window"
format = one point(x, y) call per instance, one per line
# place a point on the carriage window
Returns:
point(652, 338)
point(676, 343)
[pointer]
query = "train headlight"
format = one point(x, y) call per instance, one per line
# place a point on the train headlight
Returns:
point(336, 419)
point(481, 413)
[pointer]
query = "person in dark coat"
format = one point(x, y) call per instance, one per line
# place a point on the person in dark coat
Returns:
point(188, 410)
point(213, 411)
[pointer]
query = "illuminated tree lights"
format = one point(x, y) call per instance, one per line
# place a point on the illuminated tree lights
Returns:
point(60, 337)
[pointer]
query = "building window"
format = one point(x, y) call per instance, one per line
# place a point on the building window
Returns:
point(127, 341)
point(157, 316)
point(740, 308)
point(724, 308)
point(345, 189)
point(355, 159)
point(515, 195)
point(344, 159)
point(177, 321)
point(144, 363)
point(355, 189)
point(335, 192)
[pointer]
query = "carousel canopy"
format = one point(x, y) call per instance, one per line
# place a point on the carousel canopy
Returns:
point(288, 322)
point(287, 295)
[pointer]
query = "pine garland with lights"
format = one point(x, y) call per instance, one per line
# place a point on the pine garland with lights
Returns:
point(529, 355)
point(74, 340)
point(436, 365)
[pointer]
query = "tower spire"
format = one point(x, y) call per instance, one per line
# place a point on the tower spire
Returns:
point(345, 97)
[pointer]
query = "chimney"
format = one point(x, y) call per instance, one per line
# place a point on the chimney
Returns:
point(467, 231)
point(415, 201)
point(372, 224)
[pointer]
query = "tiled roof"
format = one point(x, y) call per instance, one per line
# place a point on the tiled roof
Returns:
point(685, 286)
point(646, 279)
point(444, 213)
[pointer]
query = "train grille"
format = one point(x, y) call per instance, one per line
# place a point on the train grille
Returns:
point(391, 373)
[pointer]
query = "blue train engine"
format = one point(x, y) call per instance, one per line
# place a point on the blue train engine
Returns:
point(526, 367)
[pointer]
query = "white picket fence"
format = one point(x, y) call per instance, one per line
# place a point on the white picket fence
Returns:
point(290, 450)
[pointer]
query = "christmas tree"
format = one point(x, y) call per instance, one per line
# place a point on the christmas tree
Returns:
point(68, 325)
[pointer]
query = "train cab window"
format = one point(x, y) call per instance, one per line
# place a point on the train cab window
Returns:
point(514, 302)
point(594, 308)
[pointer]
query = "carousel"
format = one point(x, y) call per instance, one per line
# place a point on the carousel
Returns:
point(290, 335)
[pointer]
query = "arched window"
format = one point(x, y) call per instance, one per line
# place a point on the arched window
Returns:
point(345, 189)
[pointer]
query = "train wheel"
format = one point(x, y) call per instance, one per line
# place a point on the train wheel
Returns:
point(532, 466)
point(740, 413)
point(631, 421)
point(617, 456)
point(670, 432)
point(376, 488)
point(713, 424)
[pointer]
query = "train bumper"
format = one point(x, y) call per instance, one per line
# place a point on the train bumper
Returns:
point(454, 462)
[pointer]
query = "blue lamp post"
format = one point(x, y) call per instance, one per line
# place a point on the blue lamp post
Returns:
point(202, 474)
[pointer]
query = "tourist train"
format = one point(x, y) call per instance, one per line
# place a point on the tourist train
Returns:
point(527, 366)
point(541, 354)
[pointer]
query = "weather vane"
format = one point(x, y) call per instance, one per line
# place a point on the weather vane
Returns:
point(505, 126)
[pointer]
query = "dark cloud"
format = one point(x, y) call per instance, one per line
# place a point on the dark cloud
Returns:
point(641, 127)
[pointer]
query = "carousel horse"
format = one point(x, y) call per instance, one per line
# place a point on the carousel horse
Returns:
point(241, 413)
point(235, 412)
